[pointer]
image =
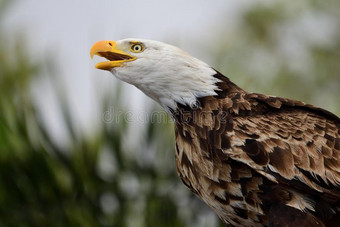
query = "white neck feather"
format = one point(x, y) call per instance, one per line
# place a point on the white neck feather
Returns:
point(182, 84)
point(169, 76)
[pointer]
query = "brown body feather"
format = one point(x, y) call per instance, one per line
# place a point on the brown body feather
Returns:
point(259, 160)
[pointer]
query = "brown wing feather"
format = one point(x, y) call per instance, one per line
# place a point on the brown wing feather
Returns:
point(243, 153)
point(295, 140)
point(291, 138)
point(293, 217)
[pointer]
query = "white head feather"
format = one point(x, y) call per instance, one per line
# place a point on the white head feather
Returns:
point(166, 73)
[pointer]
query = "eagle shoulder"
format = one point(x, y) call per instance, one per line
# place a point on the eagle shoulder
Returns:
point(289, 150)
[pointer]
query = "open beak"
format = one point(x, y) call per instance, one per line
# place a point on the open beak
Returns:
point(108, 49)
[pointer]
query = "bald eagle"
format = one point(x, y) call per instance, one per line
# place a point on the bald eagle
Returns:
point(256, 160)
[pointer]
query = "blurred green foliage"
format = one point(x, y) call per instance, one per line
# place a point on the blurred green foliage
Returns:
point(97, 180)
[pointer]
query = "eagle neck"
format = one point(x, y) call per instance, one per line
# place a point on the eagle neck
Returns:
point(224, 88)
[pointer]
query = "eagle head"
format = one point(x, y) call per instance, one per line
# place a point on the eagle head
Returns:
point(164, 72)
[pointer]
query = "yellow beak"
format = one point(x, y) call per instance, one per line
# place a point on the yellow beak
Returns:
point(108, 49)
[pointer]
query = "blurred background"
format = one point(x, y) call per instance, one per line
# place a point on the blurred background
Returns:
point(78, 148)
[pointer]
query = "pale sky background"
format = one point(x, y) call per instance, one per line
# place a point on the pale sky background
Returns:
point(66, 30)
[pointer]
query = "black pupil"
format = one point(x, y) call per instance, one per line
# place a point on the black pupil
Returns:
point(137, 48)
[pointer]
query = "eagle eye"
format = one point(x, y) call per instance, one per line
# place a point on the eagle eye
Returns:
point(137, 48)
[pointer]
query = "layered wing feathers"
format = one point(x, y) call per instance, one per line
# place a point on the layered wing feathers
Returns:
point(242, 153)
